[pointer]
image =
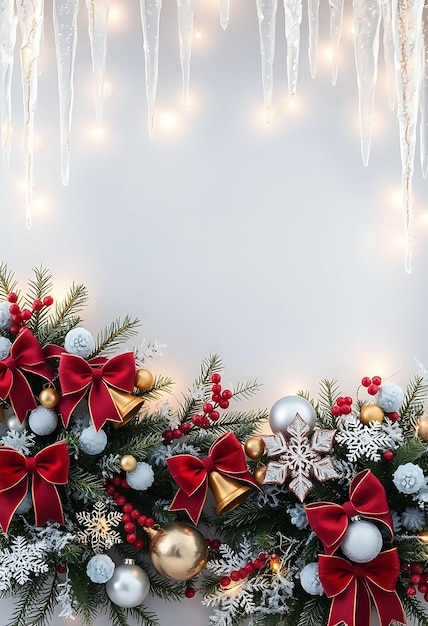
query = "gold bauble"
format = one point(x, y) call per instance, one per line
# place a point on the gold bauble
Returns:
point(423, 427)
point(423, 536)
point(178, 550)
point(143, 379)
point(259, 474)
point(371, 413)
point(128, 463)
point(49, 397)
point(254, 447)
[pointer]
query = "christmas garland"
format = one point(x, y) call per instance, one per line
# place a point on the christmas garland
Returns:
point(107, 491)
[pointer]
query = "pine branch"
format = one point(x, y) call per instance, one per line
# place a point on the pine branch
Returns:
point(410, 451)
point(246, 390)
point(163, 588)
point(66, 315)
point(414, 399)
point(314, 612)
point(38, 287)
point(86, 485)
point(8, 283)
point(161, 385)
point(328, 392)
point(28, 598)
point(42, 614)
point(209, 366)
point(143, 617)
point(136, 445)
point(412, 608)
point(115, 334)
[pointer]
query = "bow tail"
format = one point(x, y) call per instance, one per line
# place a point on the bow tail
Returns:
point(388, 605)
point(46, 500)
point(68, 403)
point(21, 396)
point(10, 499)
point(351, 607)
point(193, 504)
point(102, 406)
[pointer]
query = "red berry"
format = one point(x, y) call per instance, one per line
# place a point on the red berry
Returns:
point(139, 544)
point(216, 397)
point(366, 381)
point(227, 394)
point(197, 419)
point(120, 500)
point(37, 305)
point(249, 568)
point(12, 297)
point(185, 428)
point(150, 522)
point(415, 579)
point(131, 538)
point(426, 597)
point(61, 568)
point(258, 563)
point(235, 575)
point(124, 484)
point(372, 389)
point(243, 573)
point(142, 520)
point(214, 415)
point(215, 544)
point(205, 422)
point(394, 416)
point(189, 592)
point(405, 567)
point(410, 590)
point(14, 309)
point(215, 378)
point(208, 542)
point(216, 389)
point(225, 581)
point(224, 403)
point(126, 518)
point(111, 490)
point(177, 433)
point(168, 435)
point(263, 556)
point(48, 300)
point(207, 407)
point(129, 527)
point(388, 456)
point(127, 508)
point(340, 401)
point(346, 409)
point(135, 513)
point(422, 588)
point(116, 481)
point(416, 568)
point(348, 400)
point(336, 410)
point(14, 329)
point(377, 380)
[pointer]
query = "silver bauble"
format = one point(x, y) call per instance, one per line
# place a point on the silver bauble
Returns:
point(129, 585)
point(285, 410)
point(13, 423)
point(362, 542)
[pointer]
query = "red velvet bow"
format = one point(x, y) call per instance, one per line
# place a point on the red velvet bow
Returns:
point(26, 355)
point(48, 468)
point(226, 455)
point(352, 586)
point(77, 376)
point(367, 498)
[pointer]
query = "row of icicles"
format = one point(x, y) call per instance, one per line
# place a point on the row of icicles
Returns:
point(405, 41)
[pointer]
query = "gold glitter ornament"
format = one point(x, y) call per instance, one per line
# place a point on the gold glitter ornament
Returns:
point(254, 447)
point(259, 474)
point(423, 427)
point(143, 379)
point(371, 413)
point(128, 463)
point(49, 397)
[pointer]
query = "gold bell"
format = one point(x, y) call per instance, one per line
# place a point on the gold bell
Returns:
point(127, 404)
point(228, 492)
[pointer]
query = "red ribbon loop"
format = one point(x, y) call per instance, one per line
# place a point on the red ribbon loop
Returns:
point(26, 355)
point(367, 498)
point(48, 468)
point(78, 376)
point(353, 586)
point(226, 455)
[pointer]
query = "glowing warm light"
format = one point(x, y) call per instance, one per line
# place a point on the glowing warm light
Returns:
point(328, 54)
point(424, 217)
point(168, 121)
point(395, 197)
point(294, 105)
point(116, 15)
point(275, 564)
point(41, 205)
point(97, 133)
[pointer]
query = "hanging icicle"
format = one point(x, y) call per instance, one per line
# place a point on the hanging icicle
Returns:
point(30, 19)
point(266, 12)
point(97, 28)
point(185, 34)
point(388, 53)
point(224, 13)
point(65, 29)
point(424, 94)
point(7, 46)
point(407, 27)
point(367, 16)
point(313, 16)
point(336, 19)
point(293, 20)
point(150, 18)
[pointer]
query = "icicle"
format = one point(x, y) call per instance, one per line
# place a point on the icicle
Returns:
point(224, 13)
point(424, 94)
point(336, 17)
point(98, 24)
point(293, 19)
point(367, 15)
point(150, 17)
point(407, 28)
point(65, 28)
point(388, 53)
point(313, 15)
point(185, 33)
point(30, 18)
point(7, 45)
point(266, 12)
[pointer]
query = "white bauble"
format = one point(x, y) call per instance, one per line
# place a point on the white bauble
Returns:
point(390, 397)
point(362, 541)
point(310, 581)
point(5, 346)
point(80, 342)
point(43, 421)
point(91, 441)
point(141, 478)
point(285, 410)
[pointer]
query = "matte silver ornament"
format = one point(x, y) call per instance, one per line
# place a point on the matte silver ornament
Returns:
point(129, 585)
point(285, 410)
point(362, 541)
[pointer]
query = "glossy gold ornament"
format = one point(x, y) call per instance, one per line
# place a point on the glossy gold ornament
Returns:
point(49, 397)
point(371, 413)
point(423, 536)
point(143, 379)
point(127, 404)
point(228, 493)
point(178, 550)
point(254, 447)
point(423, 427)
point(128, 463)
point(259, 474)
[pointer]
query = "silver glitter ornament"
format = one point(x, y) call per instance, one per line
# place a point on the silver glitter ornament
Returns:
point(285, 410)
point(129, 585)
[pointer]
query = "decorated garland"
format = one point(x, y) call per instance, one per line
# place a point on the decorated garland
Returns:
point(109, 493)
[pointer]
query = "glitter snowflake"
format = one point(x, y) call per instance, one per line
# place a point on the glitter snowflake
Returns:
point(363, 440)
point(98, 527)
point(20, 560)
point(20, 441)
point(299, 457)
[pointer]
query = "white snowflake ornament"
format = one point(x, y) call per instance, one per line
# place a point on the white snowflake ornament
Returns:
point(363, 440)
point(98, 527)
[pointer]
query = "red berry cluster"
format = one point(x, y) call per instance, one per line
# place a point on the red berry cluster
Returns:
point(342, 407)
point(418, 579)
point(219, 397)
point(20, 317)
point(183, 429)
point(132, 518)
point(247, 570)
point(372, 384)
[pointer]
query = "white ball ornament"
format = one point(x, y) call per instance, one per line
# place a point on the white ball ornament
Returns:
point(5, 346)
point(5, 316)
point(310, 581)
point(43, 421)
point(285, 410)
point(129, 585)
point(91, 441)
point(362, 542)
point(80, 342)
point(100, 568)
point(141, 478)
point(390, 397)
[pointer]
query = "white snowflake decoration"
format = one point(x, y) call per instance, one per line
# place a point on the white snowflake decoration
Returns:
point(20, 441)
point(299, 457)
point(20, 560)
point(98, 527)
point(363, 440)
point(148, 351)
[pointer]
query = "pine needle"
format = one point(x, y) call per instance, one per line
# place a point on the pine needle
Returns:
point(8, 283)
point(115, 334)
